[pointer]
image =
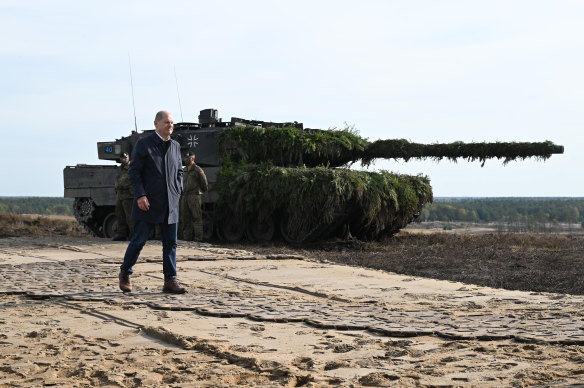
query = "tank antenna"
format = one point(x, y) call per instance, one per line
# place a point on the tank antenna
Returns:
point(132, 85)
point(178, 94)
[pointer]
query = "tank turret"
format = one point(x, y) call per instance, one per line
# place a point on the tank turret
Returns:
point(334, 148)
point(279, 179)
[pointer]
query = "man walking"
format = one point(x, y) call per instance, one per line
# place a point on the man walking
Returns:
point(156, 175)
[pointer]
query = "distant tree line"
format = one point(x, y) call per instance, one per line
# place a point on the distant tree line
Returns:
point(512, 210)
point(529, 210)
point(36, 205)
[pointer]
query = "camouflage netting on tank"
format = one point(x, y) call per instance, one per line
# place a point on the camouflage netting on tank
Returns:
point(373, 204)
point(290, 146)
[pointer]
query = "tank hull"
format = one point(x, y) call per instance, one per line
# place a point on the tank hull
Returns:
point(309, 204)
point(270, 180)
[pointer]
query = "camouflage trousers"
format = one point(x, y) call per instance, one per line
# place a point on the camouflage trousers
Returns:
point(124, 216)
point(192, 218)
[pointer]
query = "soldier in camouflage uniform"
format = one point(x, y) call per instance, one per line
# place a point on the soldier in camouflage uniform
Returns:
point(195, 184)
point(125, 198)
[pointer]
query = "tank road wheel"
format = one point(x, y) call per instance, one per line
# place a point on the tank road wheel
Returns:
point(110, 225)
point(290, 235)
point(230, 229)
point(208, 226)
point(260, 230)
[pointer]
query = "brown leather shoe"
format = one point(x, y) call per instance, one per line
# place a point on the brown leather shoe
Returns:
point(173, 286)
point(125, 284)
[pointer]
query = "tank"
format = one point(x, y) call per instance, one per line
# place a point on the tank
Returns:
point(280, 180)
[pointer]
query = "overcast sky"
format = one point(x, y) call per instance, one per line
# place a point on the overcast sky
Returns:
point(428, 71)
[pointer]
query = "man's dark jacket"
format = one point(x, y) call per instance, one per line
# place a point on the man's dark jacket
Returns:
point(158, 176)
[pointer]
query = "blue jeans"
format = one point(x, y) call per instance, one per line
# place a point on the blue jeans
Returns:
point(142, 230)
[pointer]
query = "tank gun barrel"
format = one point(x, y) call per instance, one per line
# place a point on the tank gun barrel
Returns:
point(403, 149)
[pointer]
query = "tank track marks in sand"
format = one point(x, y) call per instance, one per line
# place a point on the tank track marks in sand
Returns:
point(188, 342)
point(96, 280)
point(59, 355)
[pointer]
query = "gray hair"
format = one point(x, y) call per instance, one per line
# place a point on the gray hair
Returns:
point(160, 115)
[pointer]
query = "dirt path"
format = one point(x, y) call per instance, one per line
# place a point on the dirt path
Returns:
point(268, 320)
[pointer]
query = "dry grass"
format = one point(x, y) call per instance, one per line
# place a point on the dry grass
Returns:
point(15, 225)
point(528, 262)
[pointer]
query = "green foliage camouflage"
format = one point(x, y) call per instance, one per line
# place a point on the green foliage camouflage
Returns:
point(509, 151)
point(290, 146)
point(372, 203)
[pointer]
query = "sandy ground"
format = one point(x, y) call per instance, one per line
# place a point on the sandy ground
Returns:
point(252, 320)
